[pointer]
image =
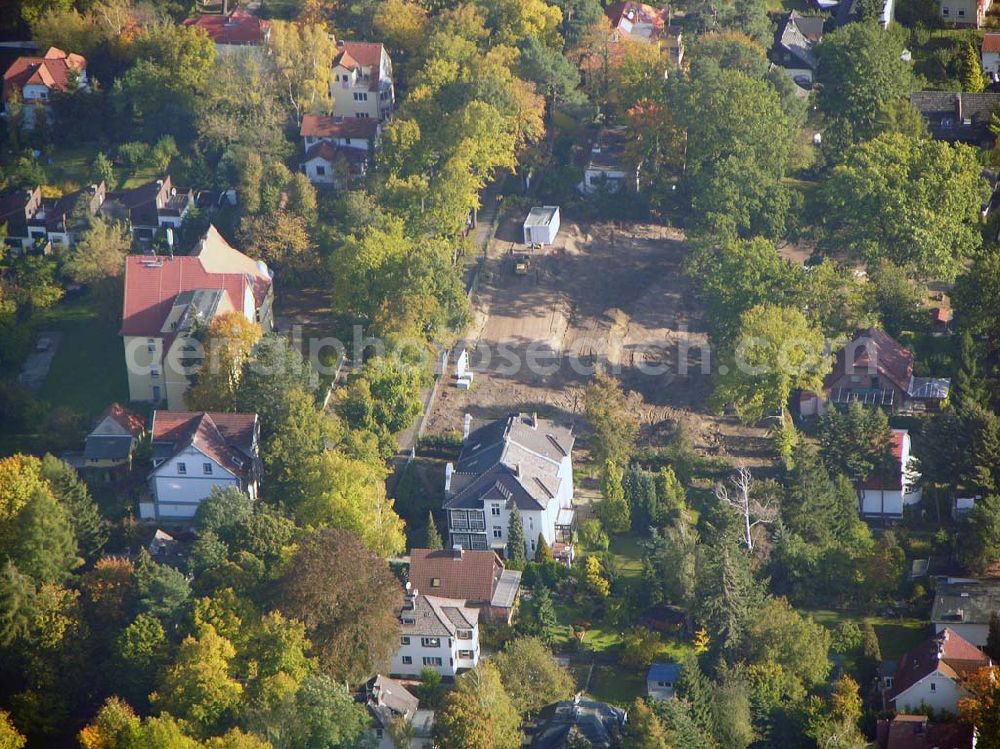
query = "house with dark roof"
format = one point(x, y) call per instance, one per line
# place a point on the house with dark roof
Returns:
point(236, 31)
point(920, 732)
point(195, 451)
point(437, 633)
point(476, 576)
point(35, 80)
point(388, 701)
point(931, 674)
point(150, 207)
point(874, 369)
point(794, 46)
point(520, 464)
point(169, 300)
point(109, 446)
point(578, 722)
point(337, 148)
point(956, 116)
point(661, 680)
point(32, 221)
point(964, 606)
point(362, 84)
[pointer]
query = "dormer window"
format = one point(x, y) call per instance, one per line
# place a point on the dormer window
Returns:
point(408, 620)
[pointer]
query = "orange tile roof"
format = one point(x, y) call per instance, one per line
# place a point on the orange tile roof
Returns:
point(221, 436)
point(130, 421)
point(991, 42)
point(238, 28)
point(152, 283)
point(52, 71)
point(470, 575)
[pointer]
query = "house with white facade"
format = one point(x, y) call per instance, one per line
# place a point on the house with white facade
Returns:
point(661, 680)
point(168, 301)
point(606, 168)
point(388, 701)
point(886, 493)
point(519, 464)
point(362, 83)
point(337, 148)
point(35, 80)
point(930, 674)
point(964, 606)
point(990, 53)
point(195, 451)
point(437, 633)
point(149, 208)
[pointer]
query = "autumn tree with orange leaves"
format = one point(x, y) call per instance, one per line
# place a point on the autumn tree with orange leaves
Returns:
point(982, 707)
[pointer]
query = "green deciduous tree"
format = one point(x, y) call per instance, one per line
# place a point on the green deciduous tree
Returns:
point(795, 643)
point(531, 676)
point(931, 225)
point(863, 77)
point(229, 340)
point(478, 714)
point(614, 423)
point(777, 350)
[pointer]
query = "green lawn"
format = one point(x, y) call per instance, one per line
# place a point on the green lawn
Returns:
point(895, 636)
point(88, 370)
point(68, 169)
point(627, 553)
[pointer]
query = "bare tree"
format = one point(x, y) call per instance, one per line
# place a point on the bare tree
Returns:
point(754, 509)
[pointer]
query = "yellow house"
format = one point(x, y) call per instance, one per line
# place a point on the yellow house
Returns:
point(169, 299)
point(362, 81)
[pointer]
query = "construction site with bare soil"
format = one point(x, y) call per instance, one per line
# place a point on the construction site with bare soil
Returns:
point(601, 296)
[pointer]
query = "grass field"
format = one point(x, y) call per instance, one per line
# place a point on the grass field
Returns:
point(88, 370)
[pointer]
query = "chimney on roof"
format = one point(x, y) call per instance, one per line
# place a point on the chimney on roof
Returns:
point(467, 426)
point(534, 420)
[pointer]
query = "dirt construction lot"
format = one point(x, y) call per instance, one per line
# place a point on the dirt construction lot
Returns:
point(603, 295)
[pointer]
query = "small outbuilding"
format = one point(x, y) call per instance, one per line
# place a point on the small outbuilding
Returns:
point(661, 680)
point(542, 225)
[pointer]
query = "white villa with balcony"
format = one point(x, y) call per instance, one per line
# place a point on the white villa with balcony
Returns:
point(437, 633)
point(517, 464)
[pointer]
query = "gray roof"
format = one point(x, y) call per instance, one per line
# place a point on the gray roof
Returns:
point(387, 699)
point(107, 447)
point(800, 34)
point(965, 602)
point(436, 617)
point(608, 152)
point(598, 723)
point(513, 460)
point(506, 590)
point(957, 116)
point(541, 215)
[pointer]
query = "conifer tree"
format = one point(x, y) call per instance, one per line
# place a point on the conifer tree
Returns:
point(542, 551)
point(516, 554)
point(432, 540)
point(968, 386)
point(972, 71)
point(993, 638)
point(545, 612)
point(614, 510)
point(697, 689)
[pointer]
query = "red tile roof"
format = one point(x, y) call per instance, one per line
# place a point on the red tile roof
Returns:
point(239, 28)
point(152, 283)
point(130, 421)
point(991, 42)
point(876, 350)
point(321, 126)
point(52, 70)
point(224, 437)
point(894, 482)
point(469, 575)
point(917, 732)
point(356, 55)
point(946, 652)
